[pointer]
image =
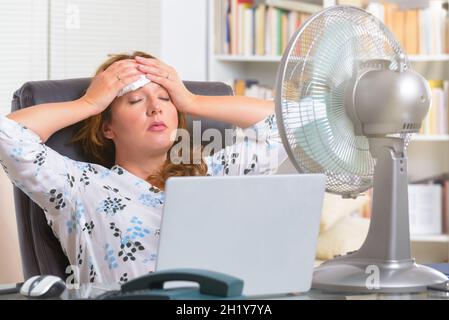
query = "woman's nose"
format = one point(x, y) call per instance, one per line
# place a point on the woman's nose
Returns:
point(153, 108)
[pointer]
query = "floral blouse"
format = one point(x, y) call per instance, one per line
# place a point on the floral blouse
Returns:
point(108, 220)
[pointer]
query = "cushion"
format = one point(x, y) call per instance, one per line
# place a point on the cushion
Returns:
point(345, 236)
point(335, 208)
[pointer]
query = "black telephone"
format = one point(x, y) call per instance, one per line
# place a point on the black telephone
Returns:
point(212, 286)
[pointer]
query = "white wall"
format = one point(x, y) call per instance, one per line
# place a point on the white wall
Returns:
point(184, 35)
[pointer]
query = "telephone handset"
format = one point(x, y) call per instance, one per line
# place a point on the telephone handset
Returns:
point(212, 285)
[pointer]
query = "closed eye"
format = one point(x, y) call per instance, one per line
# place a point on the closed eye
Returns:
point(139, 100)
point(135, 101)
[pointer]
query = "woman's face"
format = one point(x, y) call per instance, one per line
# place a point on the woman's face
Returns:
point(143, 121)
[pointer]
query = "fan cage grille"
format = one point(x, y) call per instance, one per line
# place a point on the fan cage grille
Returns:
point(331, 49)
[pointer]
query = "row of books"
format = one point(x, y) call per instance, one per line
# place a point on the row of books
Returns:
point(244, 28)
point(428, 203)
point(436, 121)
point(432, 197)
point(422, 27)
point(252, 88)
point(426, 214)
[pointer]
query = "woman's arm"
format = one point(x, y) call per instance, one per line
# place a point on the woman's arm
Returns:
point(240, 111)
point(46, 119)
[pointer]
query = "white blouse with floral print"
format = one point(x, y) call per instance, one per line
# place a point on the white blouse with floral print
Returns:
point(108, 220)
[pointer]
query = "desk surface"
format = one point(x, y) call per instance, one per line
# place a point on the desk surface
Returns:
point(92, 291)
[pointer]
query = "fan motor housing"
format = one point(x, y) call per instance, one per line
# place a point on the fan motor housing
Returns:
point(382, 102)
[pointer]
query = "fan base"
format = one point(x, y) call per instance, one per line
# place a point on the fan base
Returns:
point(358, 275)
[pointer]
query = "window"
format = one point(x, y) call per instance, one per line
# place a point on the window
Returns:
point(60, 39)
point(84, 32)
point(23, 46)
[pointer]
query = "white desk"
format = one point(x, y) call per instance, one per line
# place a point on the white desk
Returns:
point(92, 291)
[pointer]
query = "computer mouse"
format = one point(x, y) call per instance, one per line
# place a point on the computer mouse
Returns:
point(43, 287)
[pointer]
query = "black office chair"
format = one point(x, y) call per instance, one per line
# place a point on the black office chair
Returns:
point(40, 250)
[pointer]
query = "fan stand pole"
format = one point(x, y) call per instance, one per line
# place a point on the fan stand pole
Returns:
point(383, 263)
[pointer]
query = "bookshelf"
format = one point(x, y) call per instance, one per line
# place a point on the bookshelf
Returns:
point(431, 248)
point(277, 59)
point(234, 58)
point(226, 67)
point(428, 154)
point(429, 58)
point(440, 238)
point(431, 138)
point(263, 68)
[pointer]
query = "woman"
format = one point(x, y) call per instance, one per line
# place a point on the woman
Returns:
point(107, 213)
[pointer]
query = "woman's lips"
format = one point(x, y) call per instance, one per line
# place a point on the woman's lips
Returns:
point(157, 127)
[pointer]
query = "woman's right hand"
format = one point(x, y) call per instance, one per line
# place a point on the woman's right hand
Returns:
point(107, 84)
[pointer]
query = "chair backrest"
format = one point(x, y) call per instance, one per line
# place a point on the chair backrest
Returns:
point(40, 250)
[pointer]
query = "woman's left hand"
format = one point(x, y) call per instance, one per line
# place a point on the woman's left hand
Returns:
point(166, 76)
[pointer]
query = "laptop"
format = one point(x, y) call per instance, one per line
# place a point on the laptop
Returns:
point(261, 229)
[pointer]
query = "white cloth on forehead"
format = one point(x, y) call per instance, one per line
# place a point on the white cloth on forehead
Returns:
point(143, 81)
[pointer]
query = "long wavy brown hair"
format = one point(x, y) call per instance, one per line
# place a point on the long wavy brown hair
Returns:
point(101, 150)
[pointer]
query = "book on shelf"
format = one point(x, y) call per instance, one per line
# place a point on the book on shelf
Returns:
point(437, 119)
point(247, 28)
point(252, 88)
point(441, 180)
point(290, 5)
point(354, 3)
point(425, 209)
point(366, 210)
point(428, 203)
point(422, 27)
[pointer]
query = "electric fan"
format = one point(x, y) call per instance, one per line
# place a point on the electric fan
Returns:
point(346, 105)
